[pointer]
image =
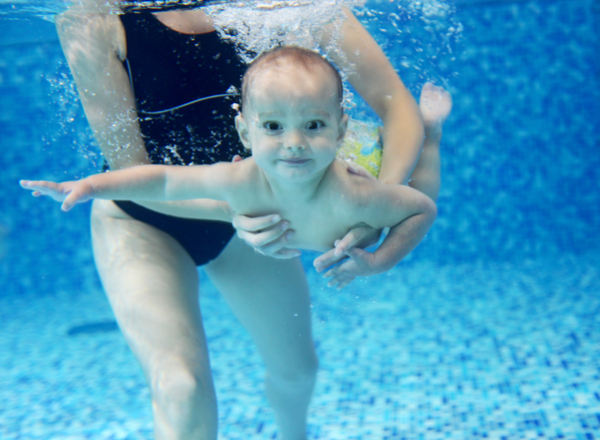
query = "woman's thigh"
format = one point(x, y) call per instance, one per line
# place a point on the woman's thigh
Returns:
point(152, 286)
point(271, 299)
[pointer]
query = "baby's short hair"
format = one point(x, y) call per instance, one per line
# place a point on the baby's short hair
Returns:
point(296, 54)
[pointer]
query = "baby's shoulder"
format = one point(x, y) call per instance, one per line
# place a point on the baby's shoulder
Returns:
point(244, 177)
point(356, 187)
point(354, 177)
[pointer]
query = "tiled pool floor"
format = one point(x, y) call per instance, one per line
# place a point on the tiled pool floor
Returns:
point(494, 350)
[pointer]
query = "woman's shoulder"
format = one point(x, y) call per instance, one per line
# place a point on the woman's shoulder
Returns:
point(91, 25)
point(111, 7)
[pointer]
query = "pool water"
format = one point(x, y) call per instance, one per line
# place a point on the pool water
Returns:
point(490, 329)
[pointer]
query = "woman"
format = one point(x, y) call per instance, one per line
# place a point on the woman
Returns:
point(147, 261)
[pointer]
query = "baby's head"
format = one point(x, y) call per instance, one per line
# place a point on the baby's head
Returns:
point(291, 116)
point(302, 64)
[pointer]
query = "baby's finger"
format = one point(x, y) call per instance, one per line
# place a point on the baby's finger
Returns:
point(333, 282)
point(344, 283)
point(327, 260)
point(334, 272)
point(36, 184)
point(350, 240)
point(27, 184)
point(340, 281)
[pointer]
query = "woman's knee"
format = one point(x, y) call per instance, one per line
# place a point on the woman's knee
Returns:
point(298, 373)
point(178, 381)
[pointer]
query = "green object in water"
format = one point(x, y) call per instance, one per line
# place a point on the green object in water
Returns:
point(363, 146)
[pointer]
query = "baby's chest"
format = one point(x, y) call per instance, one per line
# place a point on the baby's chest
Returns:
point(316, 225)
point(315, 229)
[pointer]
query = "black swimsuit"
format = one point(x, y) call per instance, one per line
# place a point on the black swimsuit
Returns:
point(168, 69)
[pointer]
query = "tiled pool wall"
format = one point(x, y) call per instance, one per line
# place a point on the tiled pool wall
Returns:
point(521, 150)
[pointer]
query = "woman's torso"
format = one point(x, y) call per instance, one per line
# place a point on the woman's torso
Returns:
point(167, 69)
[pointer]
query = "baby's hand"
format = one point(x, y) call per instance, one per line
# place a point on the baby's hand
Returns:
point(70, 193)
point(359, 236)
point(360, 263)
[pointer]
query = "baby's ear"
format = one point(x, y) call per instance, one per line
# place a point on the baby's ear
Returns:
point(342, 127)
point(242, 128)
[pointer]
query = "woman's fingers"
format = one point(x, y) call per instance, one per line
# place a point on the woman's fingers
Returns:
point(268, 235)
point(274, 248)
point(285, 254)
point(360, 171)
point(265, 237)
point(254, 224)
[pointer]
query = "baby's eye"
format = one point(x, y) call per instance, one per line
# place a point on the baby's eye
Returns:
point(315, 125)
point(272, 126)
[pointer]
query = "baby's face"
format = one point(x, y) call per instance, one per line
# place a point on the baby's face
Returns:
point(294, 121)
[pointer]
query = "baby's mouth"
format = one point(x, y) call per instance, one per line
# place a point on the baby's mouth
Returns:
point(295, 160)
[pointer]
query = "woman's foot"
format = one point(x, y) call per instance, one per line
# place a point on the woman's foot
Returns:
point(435, 104)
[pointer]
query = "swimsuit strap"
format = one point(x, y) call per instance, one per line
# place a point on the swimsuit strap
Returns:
point(165, 5)
point(177, 107)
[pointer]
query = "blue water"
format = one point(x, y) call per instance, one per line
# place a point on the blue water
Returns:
point(491, 329)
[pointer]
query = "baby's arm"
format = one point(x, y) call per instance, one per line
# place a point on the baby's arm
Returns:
point(145, 182)
point(409, 213)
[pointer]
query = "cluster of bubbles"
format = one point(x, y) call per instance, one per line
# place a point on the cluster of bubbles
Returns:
point(421, 37)
point(70, 123)
point(257, 26)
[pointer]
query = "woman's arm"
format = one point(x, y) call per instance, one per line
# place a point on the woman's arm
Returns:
point(373, 77)
point(94, 45)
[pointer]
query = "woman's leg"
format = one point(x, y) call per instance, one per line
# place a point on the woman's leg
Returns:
point(152, 286)
point(271, 299)
point(435, 104)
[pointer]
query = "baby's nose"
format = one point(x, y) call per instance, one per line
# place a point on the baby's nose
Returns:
point(295, 141)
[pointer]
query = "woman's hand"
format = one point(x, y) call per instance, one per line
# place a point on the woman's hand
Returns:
point(268, 235)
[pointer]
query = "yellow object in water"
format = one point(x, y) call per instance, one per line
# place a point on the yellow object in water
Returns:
point(362, 146)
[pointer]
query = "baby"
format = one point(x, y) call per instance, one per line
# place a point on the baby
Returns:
point(292, 121)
